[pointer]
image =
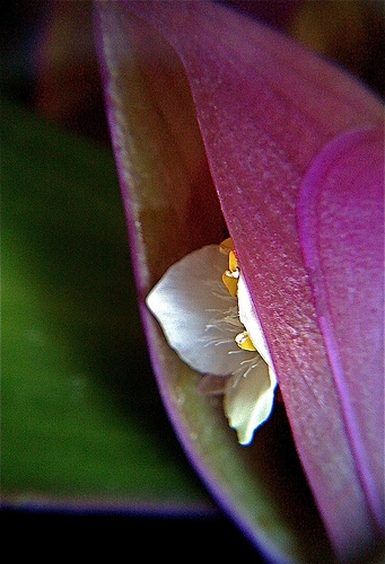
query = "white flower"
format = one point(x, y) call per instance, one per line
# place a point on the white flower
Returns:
point(202, 320)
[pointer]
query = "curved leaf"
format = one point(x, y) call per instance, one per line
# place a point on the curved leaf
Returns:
point(265, 107)
point(341, 218)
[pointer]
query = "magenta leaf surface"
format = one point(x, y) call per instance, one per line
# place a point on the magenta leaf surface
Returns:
point(266, 109)
point(341, 219)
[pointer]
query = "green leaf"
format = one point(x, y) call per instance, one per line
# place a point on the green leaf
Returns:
point(82, 421)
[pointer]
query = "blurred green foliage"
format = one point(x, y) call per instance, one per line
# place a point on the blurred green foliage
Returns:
point(81, 417)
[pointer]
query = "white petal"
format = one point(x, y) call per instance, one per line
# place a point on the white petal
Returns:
point(250, 320)
point(249, 400)
point(190, 303)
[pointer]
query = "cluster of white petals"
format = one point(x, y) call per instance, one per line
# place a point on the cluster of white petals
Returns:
point(200, 320)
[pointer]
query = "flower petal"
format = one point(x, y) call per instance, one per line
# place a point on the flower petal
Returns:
point(191, 304)
point(249, 319)
point(249, 400)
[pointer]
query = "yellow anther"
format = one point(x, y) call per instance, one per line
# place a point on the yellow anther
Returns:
point(231, 283)
point(230, 276)
point(226, 246)
point(233, 262)
point(244, 342)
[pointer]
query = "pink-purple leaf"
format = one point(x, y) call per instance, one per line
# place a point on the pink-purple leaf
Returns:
point(266, 107)
point(341, 220)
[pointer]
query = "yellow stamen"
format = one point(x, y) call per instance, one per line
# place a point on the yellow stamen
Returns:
point(231, 282)
point(230, 276)
point(226, 246)
point(244, 342)
point(233, 262)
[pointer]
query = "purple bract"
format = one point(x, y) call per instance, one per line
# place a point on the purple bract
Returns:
point(205, 105)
